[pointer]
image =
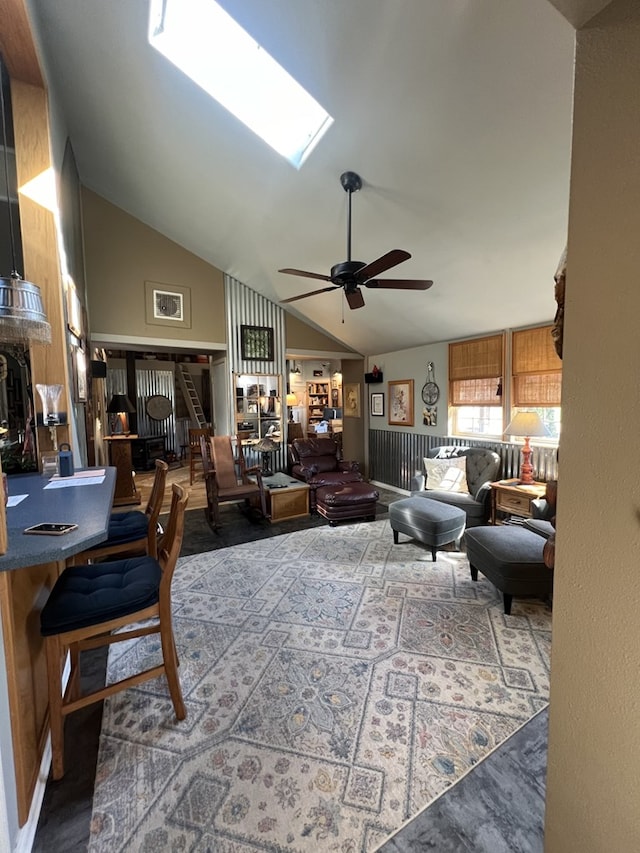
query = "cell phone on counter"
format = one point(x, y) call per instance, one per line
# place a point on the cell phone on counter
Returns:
point(51, 529)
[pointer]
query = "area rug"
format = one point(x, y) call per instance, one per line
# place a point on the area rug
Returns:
point(335, 684)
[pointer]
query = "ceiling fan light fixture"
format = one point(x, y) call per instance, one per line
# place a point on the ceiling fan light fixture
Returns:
point(352, 275)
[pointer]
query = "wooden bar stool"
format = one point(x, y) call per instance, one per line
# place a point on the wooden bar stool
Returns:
point(87, 603)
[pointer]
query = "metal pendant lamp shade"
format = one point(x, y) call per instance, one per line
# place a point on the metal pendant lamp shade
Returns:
point(22, 314)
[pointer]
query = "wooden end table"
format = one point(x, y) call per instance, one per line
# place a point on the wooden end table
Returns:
point(508, 496)
point(286, 497)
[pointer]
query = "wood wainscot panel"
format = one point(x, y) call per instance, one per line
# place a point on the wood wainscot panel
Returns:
point(23, 593)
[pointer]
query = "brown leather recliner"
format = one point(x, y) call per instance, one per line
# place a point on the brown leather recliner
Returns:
point(318, 462)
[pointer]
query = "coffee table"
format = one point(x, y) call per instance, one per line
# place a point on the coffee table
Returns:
point(286, 497)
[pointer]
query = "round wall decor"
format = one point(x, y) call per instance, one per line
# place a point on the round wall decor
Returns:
point(158, 407)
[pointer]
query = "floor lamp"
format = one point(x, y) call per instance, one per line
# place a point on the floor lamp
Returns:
point(526, 425)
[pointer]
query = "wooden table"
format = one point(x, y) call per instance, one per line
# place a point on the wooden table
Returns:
point(28, 571)
point(121, 457)
point(286, 497)
point(508, 496)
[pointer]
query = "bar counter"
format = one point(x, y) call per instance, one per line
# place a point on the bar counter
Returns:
point(28, 571)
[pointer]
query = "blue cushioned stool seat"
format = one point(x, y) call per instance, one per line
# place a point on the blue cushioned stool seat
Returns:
point(126, 527)
point(87, 595)
point(511, 558)
point(432, 522)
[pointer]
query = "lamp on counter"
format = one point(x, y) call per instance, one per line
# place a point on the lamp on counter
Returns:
point(22, 315)
point(266, 446)
point(526, 425)
point(292, 400)
point(120, 407)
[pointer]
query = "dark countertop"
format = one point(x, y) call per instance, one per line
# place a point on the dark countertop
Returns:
point(88, 506)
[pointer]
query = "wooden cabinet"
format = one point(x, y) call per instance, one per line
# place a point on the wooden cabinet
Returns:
point(258, 405)
point(318, 399)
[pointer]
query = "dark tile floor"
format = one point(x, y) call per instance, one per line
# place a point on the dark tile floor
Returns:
point(497, 808)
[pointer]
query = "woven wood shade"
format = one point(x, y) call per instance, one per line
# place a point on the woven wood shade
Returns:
point(537, 370)
point(475, 368)
point(480, 358)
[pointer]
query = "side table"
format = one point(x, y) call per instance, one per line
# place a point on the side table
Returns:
point(121, 458)
point(507, 496)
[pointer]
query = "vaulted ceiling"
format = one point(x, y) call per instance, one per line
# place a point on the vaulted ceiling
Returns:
point(455, 113)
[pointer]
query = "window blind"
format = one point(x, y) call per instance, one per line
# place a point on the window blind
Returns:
point(536, 368)
point(475, 370)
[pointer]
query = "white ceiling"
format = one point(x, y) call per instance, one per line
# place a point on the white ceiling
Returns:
point(456, 113)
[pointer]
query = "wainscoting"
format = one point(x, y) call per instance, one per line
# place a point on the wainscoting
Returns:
point(394, 457)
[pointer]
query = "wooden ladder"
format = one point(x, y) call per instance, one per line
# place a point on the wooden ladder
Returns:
point(191, 397)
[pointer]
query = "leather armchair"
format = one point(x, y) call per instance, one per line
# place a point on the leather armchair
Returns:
point(483, 467)
point(318, 462)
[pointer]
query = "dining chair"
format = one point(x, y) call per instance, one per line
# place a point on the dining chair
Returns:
point(227, 477)
point(88, 603)
point(195, 454)
point(134, 532)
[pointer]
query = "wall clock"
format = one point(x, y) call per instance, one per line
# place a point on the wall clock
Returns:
point(430, 391)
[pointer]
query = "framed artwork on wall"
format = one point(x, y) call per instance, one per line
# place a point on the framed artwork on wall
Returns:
point(401, 402)
point(256, 343)
point(167, 304)
point(351, 407)
point(377, 405)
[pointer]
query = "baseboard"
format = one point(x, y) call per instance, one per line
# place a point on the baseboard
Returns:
point(390, 488)
point(27, 833)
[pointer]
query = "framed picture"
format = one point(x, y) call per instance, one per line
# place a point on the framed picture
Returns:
point(256, 343)
point(377, 405)
point(167, 304)
point(351, 407)
point(401, 402)
point(80, 376)
point(74, 311)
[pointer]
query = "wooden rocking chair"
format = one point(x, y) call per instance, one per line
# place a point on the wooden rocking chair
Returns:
point(227, 477)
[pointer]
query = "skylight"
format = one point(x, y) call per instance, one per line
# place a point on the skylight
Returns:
point(204, 42)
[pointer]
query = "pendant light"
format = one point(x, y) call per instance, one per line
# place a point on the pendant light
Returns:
point(22, 315)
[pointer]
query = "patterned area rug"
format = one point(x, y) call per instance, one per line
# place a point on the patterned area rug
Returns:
point(335, 684)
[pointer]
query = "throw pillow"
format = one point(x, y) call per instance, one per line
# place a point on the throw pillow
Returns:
point(449, 475)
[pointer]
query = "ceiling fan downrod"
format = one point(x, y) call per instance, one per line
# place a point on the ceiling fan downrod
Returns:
point(351, 183)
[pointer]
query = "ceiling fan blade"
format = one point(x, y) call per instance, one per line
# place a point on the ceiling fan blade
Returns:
point(399, 284)
point(355, 298)
point(306, 274)
point(311, 293)
point(381, 264)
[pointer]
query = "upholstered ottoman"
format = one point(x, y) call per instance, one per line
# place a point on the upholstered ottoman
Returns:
point(349, 500)
point(432, 522)
point(511, 558)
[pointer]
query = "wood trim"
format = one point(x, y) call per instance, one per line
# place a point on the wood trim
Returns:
point(16, 43)
point(49, 363)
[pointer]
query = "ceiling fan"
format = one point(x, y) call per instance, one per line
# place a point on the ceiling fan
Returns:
point(350, 275)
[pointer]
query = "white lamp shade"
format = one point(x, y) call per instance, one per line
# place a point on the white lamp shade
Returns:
point(527, 425)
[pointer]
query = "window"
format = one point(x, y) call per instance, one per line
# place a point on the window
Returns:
point(537, 376)
point(204, 42)
point(475, 386)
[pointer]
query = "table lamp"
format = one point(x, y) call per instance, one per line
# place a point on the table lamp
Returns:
point(526, 425)
point(121, 407)
point(266, 446)
point(291, 400)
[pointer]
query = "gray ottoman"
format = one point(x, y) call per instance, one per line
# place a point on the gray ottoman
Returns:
point(511, 558)
point(432, 522)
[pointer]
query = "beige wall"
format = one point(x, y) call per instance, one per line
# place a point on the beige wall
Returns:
point(121, 254)
point(593, 786)
point(354, 429)
point(301, 337)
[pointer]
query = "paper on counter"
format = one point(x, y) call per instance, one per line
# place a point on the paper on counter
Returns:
point(66, 482)
point(14, 500)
